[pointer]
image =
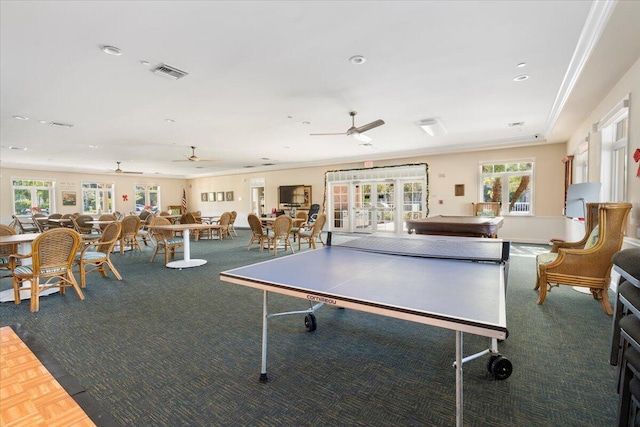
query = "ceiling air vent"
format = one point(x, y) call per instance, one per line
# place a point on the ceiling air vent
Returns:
point(169, 72)
point(61, 125)
point(516, 124)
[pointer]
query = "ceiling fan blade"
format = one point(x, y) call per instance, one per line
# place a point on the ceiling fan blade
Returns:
point(370, 126)
point(323, 134)
point(198, 159)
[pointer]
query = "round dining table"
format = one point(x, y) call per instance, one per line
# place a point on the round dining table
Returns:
point(187, 262)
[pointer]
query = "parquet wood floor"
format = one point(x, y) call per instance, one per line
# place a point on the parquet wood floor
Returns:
point(29, 394)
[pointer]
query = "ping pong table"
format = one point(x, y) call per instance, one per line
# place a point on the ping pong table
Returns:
point(457, 283)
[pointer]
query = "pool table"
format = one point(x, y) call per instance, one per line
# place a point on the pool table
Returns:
point(464, 226)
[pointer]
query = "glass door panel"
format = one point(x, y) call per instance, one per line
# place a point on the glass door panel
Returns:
point(385, 207)
point(340, 195)
point(413, 202)
point(362, 208)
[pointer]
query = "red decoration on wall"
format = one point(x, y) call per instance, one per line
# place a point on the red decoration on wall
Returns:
point(125, 198)
point(636, 157)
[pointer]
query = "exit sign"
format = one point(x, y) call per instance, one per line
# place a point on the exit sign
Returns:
point(368, 164)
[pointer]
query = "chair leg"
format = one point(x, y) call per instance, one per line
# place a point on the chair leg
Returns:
point(72, 280)
point(16, 290)
point(35, 297)
point(113, 269)
point(83, 274)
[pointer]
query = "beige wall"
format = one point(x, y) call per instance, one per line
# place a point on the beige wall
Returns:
point(445, 171)
point(124, 184)
point(629, 84)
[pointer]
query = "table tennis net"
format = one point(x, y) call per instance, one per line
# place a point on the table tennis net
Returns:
point(491, 250)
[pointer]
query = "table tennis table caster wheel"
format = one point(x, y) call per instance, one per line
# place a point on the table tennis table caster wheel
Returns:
point(310, 322)
point(499, 367)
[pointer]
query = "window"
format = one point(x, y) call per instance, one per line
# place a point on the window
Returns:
point(148, 197)
point(613, 157)
point(508, 183)
point(33, 194)
point(97, 197)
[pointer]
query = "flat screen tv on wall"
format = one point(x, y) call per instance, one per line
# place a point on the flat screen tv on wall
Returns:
point(291, 195)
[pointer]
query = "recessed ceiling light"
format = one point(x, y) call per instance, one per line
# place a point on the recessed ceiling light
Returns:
point(521, 65)
point(44, 122)
point(169, 120)
point(111, 50)
point(93, 146)
point(357, 59)
point(21, 118)
point(306, 123)
point(521, 78)
point(145, 63)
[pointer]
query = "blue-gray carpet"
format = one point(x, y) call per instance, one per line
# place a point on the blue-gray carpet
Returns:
point(180, 348)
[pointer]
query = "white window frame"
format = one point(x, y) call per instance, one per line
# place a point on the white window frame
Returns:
point(147, 190)
point(109, 187)
point(505, 188)
point(614, 148)
point(34, 189)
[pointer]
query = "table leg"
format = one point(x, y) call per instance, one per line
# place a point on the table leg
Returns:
point(459, 401)
point(265, 319)
point(187, 262)
point(187, 245)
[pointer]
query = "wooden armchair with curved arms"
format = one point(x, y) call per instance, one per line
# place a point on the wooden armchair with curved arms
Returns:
point(129, 235)
point(90, 261)
point(258, 232)
point(166, 240)
point(52, 255)
point(281, 231)
point(6, 262)
point(587, 265)
point(315, 234)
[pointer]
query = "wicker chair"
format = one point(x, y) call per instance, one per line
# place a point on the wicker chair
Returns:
point(106, 217)
point(53, 224)
point(315, 234)
point(304, 216)
point(281, 230)
point(232, 221)
point(96, 260)
point(67, 220)
point(486, 208)
point(81, 226)
point(24, 226)
point(224, 221)
point(165, 239)
point(144, 233)
point(6, 262)
point(129, 234)
point(259, 233)
point(587, 265)
point(40, 221)
point(52, 255)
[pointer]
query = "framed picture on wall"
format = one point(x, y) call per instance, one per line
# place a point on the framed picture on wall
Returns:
point(221, 196)
point(212, 196)
point(204, 197)
point(229, 196)
point(68, 198)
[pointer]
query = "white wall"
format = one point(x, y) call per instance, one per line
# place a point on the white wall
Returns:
point(629, 84)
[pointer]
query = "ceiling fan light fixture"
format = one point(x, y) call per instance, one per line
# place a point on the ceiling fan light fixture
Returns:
point(357, 59)
point(360, 137)
point(433, 127)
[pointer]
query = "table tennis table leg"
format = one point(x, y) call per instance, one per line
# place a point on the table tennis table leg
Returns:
point(265, 319)
point(459, 401)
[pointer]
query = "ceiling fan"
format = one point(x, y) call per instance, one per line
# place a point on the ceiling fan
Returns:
point(118, 170)
point(356, 132)
point(194, 158)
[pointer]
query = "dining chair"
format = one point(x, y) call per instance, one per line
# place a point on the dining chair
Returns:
point(53, 224)
point(281, 231)
point(304, 216)
point(6, 262)
point(129, 233)
point(144, 233)
point(232, 222)
point(106, 217)
point(314, 235)
point(90, 261)
point(258, 232)
point(24, 226)
point(40, 221)
point(165, 240)
point(52, 255)
point(80, 224)
point(224, 221)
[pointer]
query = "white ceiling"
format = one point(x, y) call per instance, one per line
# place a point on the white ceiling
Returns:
point(258, 70)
